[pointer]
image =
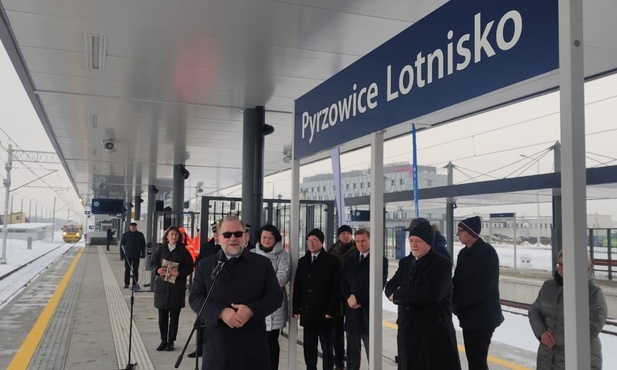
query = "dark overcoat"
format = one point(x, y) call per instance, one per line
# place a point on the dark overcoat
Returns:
point(441, 245)
point(400, 280)
point(355, 279)
point(430, 339)
point(250, 281)
point(316, 289)
point(476, 288)
point(169, 296)
point(134, 244)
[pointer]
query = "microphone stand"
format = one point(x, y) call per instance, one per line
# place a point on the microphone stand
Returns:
point(129, 365)
point(197, 324)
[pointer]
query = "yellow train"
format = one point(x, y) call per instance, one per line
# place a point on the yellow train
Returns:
point(71, 233)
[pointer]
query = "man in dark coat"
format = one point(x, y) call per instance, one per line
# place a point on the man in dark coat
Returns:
point(344, 246)
point(206, 249)
point(133, 247)
point(110, 236)
point(247, 291)
point(316, 299)
point(355, 290)
point(440, 244)
point(425, 291)
point(211, 246)
point(476, 292)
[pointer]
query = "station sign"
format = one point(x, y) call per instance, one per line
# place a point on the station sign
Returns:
point(462, 50)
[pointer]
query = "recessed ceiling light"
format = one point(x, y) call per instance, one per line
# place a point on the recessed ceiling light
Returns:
point(96, 51)
point(95, 120)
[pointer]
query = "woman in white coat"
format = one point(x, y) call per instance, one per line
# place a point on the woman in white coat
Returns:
point(270, 245)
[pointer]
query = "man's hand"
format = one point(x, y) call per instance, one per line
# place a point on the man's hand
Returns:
point(548, 339)
point(353, 302)
point(162, 270)
point(391, 297)
point(228, 315)
point(243, 313)
point(297, 316)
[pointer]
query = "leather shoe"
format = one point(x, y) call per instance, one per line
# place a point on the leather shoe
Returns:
point(126, 286)
point(170, 346)
point(162, 346)
point(194, 353)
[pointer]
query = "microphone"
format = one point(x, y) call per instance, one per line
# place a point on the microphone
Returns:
point(218, 267)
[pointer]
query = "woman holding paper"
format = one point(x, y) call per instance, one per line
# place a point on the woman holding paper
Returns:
point(171, 264)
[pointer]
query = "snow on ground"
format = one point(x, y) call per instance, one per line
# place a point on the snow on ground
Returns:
point(17, 255)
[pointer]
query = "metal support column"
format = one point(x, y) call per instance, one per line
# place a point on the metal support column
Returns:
point(377, 251)
point(556, 240)
point(255, 129)
point(177, 196)
point(137, 203)
point(450, 212)
point(574, 185)
point(7, 194)
point(249, 133)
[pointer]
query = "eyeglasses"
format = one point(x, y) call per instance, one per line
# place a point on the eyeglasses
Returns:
point(228, 234)
point(312, 241)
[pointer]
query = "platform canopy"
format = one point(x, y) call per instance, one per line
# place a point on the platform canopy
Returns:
point(168, 81)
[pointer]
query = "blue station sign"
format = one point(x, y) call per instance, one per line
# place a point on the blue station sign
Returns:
point(462, 50)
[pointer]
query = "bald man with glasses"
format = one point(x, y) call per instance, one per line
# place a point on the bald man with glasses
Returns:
point(247, 291)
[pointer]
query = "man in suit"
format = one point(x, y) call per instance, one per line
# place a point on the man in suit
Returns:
point(316, 299)
point(476, 292)
point(133, 247)
point(355, 280)
point(247, 291)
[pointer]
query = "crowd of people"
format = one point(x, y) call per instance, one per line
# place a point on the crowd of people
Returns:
point(330, 297)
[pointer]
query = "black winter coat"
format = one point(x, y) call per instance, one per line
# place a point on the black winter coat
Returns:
point(134, 244)
point(250, 281)
point(166, 295)
point(476, 288)
point(430, 339)
point(355, 279)
point(400, 280)
point(316, 289)
point(440, 245)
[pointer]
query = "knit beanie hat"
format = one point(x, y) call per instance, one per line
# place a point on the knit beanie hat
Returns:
point(318, 234)
point(344, 228)
point(472, 225)
point(423, 230)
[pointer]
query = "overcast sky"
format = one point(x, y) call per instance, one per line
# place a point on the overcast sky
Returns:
point(21, 127)
point(483, 147)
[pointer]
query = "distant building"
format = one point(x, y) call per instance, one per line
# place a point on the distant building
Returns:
point(14, 218)
point(529, 228)
point(397, 177)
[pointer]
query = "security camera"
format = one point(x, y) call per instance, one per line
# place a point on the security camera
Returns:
point(102, 186)
point(109, 145)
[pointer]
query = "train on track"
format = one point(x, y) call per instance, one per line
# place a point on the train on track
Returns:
point(72, 233)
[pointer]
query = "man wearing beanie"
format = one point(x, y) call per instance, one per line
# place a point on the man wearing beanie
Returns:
point(316, 298)
point(344, 247)
point(422, 288)
point(476, 292)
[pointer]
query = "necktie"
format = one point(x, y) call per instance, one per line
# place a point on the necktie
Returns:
point(314, 258)
point(361, 257)
point(231, 262)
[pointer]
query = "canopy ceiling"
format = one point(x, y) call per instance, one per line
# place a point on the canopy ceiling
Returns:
point(173, 78)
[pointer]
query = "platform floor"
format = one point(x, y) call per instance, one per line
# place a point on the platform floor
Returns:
point(76, 316)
